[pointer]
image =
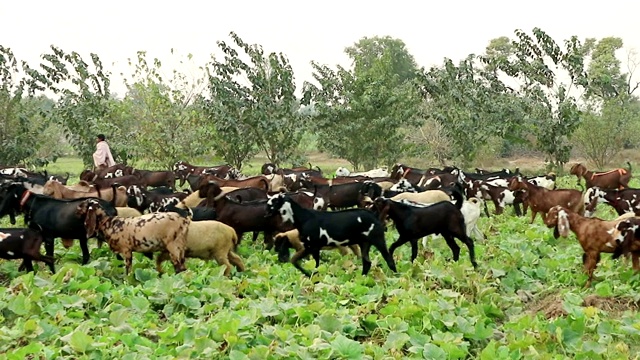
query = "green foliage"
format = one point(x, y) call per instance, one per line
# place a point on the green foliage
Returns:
point(84, 97)
point(252, 104)
point(161, 115)
point(361, 113)
point(605, 131)
point(605, 77)
point(471, 104)
point(552, 112)
point(22, 123)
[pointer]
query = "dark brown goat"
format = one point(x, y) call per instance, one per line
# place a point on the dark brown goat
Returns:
point(157, 178)
point(541, 200)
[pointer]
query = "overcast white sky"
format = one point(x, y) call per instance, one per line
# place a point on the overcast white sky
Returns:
point(303, 30)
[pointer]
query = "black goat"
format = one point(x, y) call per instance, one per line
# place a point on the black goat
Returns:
point(23, 244)
point(56, 218)
point(320, 229)
point(414, 221)
point(198, 213)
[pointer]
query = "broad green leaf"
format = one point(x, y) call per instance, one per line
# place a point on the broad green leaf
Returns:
point(346, 348)
point(20, 305)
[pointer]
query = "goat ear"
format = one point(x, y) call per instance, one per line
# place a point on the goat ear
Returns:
point(556, 233)
point(90, 222)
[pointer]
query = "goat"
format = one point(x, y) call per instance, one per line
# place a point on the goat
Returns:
point(594, 235)
point(291, 240)
point(622, 201)
point(23, 244)
point(198, 213)
point(116, 193)
point(541, 200)
point(157, 178)
point(613, 179)
point(208, 240)
point(164, 232)
point(142, 199)
point(56, 218)
point(319, 229)
point(414, 221)
point(627, 234)
point(425, 197)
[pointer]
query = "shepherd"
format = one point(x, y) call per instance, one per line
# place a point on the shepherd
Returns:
point(102, 158)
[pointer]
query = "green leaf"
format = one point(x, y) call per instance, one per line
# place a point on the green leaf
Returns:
point(347, 348)
point(80, 342)
point(329, 323)
point(434, 352)
point(20, 305)
point(396, 340)
point(118, 317)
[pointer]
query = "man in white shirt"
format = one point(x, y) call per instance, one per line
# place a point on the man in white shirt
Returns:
point(102, 158)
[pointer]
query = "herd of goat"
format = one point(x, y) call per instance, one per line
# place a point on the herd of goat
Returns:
point(141, 211)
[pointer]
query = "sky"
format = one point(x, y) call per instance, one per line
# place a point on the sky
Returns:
point(302, 30)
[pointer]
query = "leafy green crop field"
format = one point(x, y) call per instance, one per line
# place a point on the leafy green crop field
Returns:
point(525, 301)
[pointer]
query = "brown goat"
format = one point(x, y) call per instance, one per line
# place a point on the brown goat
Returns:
point(58, 191)
point(261, 182)
point(541, 200)
point(595, 235)
point(613, 179)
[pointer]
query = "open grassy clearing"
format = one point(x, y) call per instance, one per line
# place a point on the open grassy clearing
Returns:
point(525, 301)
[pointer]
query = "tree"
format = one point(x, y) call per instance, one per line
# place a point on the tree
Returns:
point(362, 112)
point(552, 111)
point(610, 117)
point(471, 105)
point(21, 123)
point(84, 98)
point(603, 132)
point(252, 103)
point(167, 122)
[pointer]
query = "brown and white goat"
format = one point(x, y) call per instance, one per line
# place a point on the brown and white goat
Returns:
point(612, 179)
point(541, 200)
point(627, 234)
point(163, 232)
point(595, 235)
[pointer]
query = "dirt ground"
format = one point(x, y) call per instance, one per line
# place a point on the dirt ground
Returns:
point(551, 305)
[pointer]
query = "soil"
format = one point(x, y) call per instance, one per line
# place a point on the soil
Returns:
point(551, 305)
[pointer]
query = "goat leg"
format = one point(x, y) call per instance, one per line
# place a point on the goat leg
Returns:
point(455, 249)
point(366, 262)
point(84, 246)
point(299, 255)
point(414, 249)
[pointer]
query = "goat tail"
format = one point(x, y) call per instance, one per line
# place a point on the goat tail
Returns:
point(234, 239)
point(457, 196)
point(266, 184)
point(114, 188)
point(630, 169)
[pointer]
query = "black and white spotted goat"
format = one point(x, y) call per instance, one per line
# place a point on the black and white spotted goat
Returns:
point(320, 229)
